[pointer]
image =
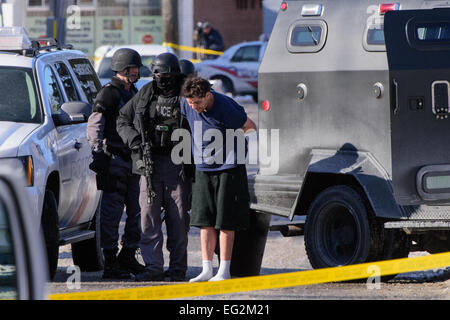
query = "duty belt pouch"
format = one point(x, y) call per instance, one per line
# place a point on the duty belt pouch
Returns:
point(162, 135)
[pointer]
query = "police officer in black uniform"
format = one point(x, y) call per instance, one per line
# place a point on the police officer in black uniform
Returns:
point(187, 68)
point(159, 103)
point(112, 163)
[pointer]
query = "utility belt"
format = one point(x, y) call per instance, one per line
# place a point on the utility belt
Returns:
point(122, 152)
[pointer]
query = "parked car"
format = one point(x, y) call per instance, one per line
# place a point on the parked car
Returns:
point(147, 51)
point(45, 100)
point(237, 68)
point(23, 266)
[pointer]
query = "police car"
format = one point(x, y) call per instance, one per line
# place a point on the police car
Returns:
point(147, 51)
point(46, 93)
point(237, 68)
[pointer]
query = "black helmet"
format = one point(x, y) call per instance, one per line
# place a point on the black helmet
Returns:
point(187, 67)
point(125, 58)
point(165, 63)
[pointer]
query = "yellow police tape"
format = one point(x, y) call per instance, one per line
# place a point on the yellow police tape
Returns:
point(300, 278)
point(192, 49)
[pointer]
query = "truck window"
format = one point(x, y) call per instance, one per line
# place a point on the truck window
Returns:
point(307, 36)
point(87, 77)
point(66, 79)
point(54, 95)
point(18, 101)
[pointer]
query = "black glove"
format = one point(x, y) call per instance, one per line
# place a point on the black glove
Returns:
point(100, 163)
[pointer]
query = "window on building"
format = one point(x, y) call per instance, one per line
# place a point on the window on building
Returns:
point(246, 4)
point(37, 4)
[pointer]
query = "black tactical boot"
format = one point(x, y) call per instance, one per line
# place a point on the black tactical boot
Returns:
point(112, 269)
point(127, 261)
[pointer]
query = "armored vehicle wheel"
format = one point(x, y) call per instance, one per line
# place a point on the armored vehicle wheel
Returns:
point(49, 226)
point(337, 229)
point(87, 254)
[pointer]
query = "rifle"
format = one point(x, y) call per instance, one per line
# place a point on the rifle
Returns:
point(146, 164)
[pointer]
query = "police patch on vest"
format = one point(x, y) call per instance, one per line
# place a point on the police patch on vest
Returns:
point(168, 107)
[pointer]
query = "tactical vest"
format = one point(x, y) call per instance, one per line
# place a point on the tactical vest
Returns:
point(117, 98)
point(165, 117)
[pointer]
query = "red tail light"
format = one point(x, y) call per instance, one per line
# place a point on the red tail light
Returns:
point(266, 105)
point(283, 6)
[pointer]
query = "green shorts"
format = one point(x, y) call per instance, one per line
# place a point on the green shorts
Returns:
point(220, 199)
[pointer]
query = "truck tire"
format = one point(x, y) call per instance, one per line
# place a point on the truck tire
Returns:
point(87, 254)
point(227, 84)
point(338, 230)
point(49, 227)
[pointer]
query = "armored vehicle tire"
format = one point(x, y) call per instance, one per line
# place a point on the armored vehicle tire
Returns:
point(49, 225)
point(337, 229)
point(87, 254)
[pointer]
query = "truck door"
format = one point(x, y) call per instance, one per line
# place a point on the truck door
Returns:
point(418, 52)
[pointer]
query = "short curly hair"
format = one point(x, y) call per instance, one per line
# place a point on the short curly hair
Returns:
point(196, 87)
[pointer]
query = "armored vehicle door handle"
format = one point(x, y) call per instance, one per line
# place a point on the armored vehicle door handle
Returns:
point(395, 103)
point(78, 145)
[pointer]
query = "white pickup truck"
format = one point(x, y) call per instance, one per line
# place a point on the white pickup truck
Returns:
point(46, 93)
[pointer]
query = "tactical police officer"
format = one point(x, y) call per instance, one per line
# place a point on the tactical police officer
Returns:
point(112, 163)
point(159, 104)
point(187, 68)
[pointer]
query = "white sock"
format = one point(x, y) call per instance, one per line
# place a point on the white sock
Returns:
point(206, 273)
point(224, 271)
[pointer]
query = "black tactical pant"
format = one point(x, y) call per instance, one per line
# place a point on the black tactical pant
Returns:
point(125, 194)
point(172, 193)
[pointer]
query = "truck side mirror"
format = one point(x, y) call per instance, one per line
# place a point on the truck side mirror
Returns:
point(72, 112)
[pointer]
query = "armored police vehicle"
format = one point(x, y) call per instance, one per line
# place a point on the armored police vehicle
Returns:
point(46, 93)
point(358, 95)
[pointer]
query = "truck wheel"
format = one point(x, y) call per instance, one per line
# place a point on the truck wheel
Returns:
point(337, 229)
point(87, 254)
point(49, 227)
point(227, 84)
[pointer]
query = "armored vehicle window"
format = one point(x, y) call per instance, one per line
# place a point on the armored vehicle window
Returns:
point(87, 77)
point(437, 182)
point(18, 101)
point(51, 87)
point(307, 36)
point(66, 79)
point(432, 32)
point(375, 35)
point(373, 39)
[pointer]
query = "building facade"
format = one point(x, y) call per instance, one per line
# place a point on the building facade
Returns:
point(90, 24)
